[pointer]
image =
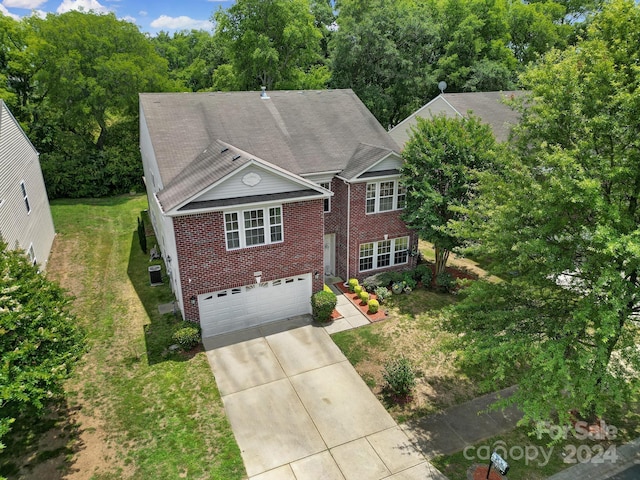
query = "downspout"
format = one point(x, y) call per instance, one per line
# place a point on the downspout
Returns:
point(348, 227)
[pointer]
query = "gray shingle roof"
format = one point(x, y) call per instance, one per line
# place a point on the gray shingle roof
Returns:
point(302, 132)
point(364, 156)
point(489, 107)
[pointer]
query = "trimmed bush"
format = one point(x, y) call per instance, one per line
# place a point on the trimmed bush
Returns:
point(364, 297)
point(188, 336)
point(400, 376)
point(327, 288)
point(353, 282)
point(357, 289)
point(322, 305)
point(373, 306)
point(382, 293)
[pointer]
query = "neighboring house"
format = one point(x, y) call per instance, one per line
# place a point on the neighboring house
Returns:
point(489, 107)
point(25, 216)
point(254, 198)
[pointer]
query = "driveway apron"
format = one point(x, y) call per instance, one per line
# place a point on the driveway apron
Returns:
point(300, 411)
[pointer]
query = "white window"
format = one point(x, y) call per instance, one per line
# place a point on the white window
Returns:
point(248, 228)
point(385, 196)
point(384, 253)
point(32, 255)
point(327, 201)
point(25, 197)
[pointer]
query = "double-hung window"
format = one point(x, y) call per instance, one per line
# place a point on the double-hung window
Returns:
point(247, 228)
point(385, 196)
point(385, 253)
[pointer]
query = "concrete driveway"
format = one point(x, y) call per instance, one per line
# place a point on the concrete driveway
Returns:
point(299, 410)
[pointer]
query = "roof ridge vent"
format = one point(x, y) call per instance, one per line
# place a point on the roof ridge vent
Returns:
point(264, 95)
point(235, 157)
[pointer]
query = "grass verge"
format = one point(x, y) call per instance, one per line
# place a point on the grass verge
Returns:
point(140, 411)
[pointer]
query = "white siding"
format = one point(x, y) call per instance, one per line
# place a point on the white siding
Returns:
point(19, 163)
point(390, 163)
point(234, 186)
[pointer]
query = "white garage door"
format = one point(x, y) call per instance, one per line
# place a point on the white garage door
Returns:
point(251, 305)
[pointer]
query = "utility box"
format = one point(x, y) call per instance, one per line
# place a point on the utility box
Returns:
point(155, 275)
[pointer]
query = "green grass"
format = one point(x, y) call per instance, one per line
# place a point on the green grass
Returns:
point(163, 413)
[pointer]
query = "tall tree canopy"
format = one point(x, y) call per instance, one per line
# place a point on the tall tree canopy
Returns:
point(442, 159)
point(384, 53)
point(39, 339)
point(271, 43)
point(561, 228)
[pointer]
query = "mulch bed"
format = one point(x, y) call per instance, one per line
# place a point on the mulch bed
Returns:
point(479, 472)
point(353, 298)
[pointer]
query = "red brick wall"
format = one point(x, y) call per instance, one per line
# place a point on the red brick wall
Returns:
point(371, 228)
point(206, 265)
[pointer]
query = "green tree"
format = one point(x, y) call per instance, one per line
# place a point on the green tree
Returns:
point(384, 52)
point(271, 43)
point(39, 338)
point(192, 56)
point(442, 158)
point(561, 228)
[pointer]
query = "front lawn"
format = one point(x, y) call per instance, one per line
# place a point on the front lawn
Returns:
point(133, 408)
point(412, 330)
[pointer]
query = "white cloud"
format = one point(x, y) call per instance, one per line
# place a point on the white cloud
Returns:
point(129, 18)
point(27, 4)
point(6, 12)
point(143, 13)
point(180, 23)
point(82, 6)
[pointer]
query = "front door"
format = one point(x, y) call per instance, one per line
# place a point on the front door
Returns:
point(330, 254)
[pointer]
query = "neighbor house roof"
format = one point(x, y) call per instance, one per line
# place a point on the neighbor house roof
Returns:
point(489, 107)
point(302, 132)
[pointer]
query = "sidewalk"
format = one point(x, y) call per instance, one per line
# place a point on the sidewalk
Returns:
point(457, 427)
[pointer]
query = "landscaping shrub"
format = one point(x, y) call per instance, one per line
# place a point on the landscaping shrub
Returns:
point(374, 305)
point(445, 281)
point(408, 281)
point(327, 288)
point(387, 278)
point(142, 236)
point(322, 305)
point(400, 376)
point(353, 282)
point(364, 297)
point(370, 283)
point(382, 293)
point(188, 336)
point(357, 289)
point(424, 274)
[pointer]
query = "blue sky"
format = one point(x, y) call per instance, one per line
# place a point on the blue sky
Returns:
point(151, 16)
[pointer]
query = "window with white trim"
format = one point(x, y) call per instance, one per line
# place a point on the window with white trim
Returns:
point(385, 253)
point(327, 201)
point(25, 197)
point(247, 228)
point(385, 196)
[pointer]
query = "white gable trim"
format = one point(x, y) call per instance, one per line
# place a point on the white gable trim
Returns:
point(260, 164)
point(356, 178)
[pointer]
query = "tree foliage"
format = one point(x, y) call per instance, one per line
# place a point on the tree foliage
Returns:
point(39, 338)
point(271, 43)
point(561, 228)
point(441, 161)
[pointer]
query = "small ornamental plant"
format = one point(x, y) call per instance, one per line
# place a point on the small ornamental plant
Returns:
point(322, 305)
point(382, 293)
point(353, 282)
point(373, 306)
point(357, 289)
point(188, 336)
point(364, 297)
point(400, 377)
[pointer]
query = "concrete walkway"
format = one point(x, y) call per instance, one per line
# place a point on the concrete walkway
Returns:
point(466, 424)
point(300, 411)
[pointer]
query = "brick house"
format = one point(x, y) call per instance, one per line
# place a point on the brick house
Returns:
point(254, 198)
